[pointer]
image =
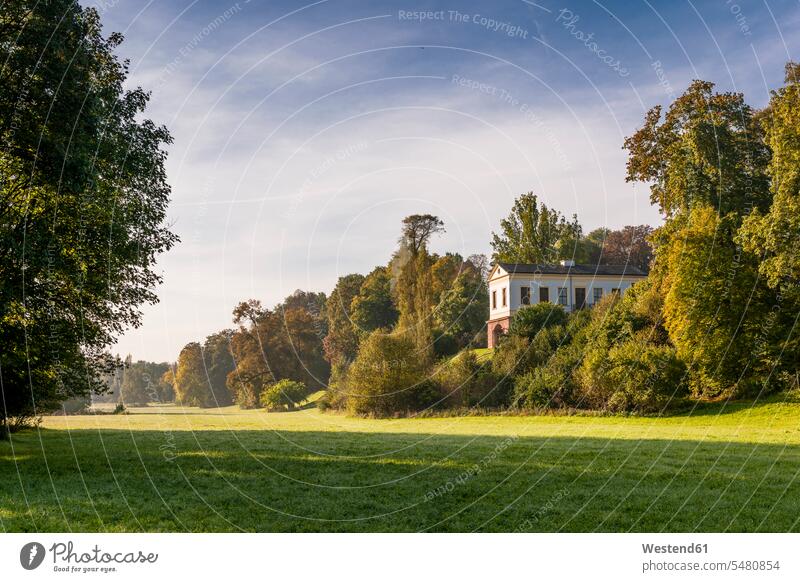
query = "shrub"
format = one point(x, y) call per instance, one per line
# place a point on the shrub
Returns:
point(464, 381)
point(388, 377)
point(76, 405)
point(518, 355)
point(551, 384)
point(283, 395)
point(529, 321)
point(637, 377)
point(335, 396)
point(444, 344)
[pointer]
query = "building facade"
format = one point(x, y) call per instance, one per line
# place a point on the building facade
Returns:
point(515, 285)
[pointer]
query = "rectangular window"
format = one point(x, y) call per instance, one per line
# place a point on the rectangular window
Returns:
point(544, 294)
point(525, 295)
point(615, 292)
point(597, 294)
point(580, 297)
point(494, 299)
point(504, 297)
point(562, 296)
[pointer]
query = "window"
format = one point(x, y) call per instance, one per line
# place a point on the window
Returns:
point(494, 299)
point(544, 294)
point(504, 297)
point(562, 296)
point(615, 292)
point(597, 294)
point(580, 297)
point(525, 295)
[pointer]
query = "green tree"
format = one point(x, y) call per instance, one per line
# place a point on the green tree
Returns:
point(533, 233)
point(707, 150)
point(373, 308)
point(82, 183)
point(218, 364)
point(341, 342)
point(464, 308)
point(715, 305)
point(143, 383)
point(529, 321)
point(284, 395)
point(413, 289)
point(191, 384)
point(775, 234)
point(387, 377)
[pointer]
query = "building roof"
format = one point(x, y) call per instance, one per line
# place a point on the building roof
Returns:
point(591, 270)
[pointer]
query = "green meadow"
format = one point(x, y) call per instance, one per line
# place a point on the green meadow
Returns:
point(733, 467)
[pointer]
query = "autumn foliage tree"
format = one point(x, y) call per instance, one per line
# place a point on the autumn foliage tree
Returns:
point(274, 344)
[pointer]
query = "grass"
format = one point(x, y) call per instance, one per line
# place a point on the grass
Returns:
point(721, 468)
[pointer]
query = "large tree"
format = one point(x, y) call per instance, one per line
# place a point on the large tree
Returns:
point(341, 341)
point(218, 364)
point(775, 235)
point(708, 149)
point(191, 385)
point(715, 304)
point(628, 246)
point(413, 289)
point(276, 344)
point(83, 197)
point(143, 382)
point(533, 233)
point(373, 307)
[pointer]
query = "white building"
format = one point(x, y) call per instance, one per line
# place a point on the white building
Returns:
point(515, 285)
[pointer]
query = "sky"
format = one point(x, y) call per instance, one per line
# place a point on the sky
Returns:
point(305, 132)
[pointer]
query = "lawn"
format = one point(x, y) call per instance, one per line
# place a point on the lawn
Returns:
point(720, 468)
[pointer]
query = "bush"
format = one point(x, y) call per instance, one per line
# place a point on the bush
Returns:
point(518, 355)
point(636, 377)
point(283, 395)
point(465, 382)
point(76, 405)
point(444, 344)
point(388, 377)
point(529, 321)
point(552, 384)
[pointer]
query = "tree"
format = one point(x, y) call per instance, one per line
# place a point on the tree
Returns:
point(532, 233)
point(775, 234)
point(629, 246)
point(418, 230)
point(444, 272)
point(413, 290)
point(143, 383)
point(715, 304)
point(387, 377)
point(707, 150)
point(341, 342)
point(529, 321)
point(464, 308)
point(82, 183)
point(593, 244)
point(218, 364)
point(284, 395)
point(275, 344)
point(191, 385)
point(373, 308)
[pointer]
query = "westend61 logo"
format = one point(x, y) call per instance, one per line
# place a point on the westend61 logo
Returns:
point(67, 559)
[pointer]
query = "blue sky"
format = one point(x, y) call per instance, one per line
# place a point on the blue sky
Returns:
point(305, 132)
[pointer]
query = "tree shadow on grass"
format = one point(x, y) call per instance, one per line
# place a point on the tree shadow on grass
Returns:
point(253, 480)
